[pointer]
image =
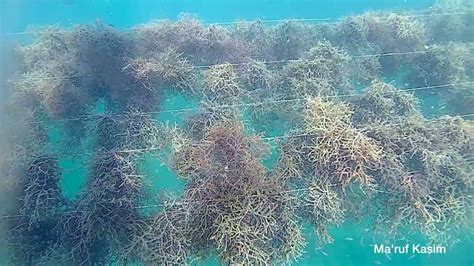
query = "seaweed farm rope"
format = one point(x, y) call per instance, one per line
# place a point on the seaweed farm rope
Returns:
point(274, 138)
point(85, 117)
point(272, 21)
point(324, 20)
point(65, 77)
point(468, 160)
point(296, 60)
point(194, 201)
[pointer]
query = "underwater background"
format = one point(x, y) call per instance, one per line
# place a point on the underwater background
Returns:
point(352, 241)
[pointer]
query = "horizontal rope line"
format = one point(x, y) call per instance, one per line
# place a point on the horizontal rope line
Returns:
point(194, 201)
point(269, 21)
point(265, 138)
point(85, 117)
point(162, 205)
point(275, 138)
point(248, 104)
point(296, 60)
point(176, 202)
point(329, 20)
point(471, 46)
point(280, 137)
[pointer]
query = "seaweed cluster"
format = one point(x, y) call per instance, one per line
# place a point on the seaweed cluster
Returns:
point(104, 216)
point(425, 175)
point(411, 172)
point(326, 157)
point(322, 71)
point(382, 102)
point(235, 207)
point(451, 27)
point(287, 125)
point(33, 232)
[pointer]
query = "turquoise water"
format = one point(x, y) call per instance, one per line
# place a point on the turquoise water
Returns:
point(352, 245)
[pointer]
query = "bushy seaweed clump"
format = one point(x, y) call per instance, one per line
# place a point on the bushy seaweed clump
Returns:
point(105, 55)
point(201, 45)
point(255, 38)
point(186, 35)
point(139, 132)
point(422, 177)
point(321, 72)
point(382, 102)
point(184, 158)
point(33, 202)
point(165, 70)
point(441, 64)
point(378, 32)
point(455, 25)
point(221, 85)
point(460, 99)
point(326, 156)
point(66, 72)
point(343, 153)
point(234, 207)
point(414, 172)
point(34, 230)
point(50, 80)
point(103, 218)
point(322, 206)
point(230, 205)
point(134, 131)
point(334, 148)
point(164, 240)
point(100, 51)
point(425, 176)
point(102, 223)
point(263, 95)
point(365, 70)
point(255, 76)
point(196, 124)
point(290, 40)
